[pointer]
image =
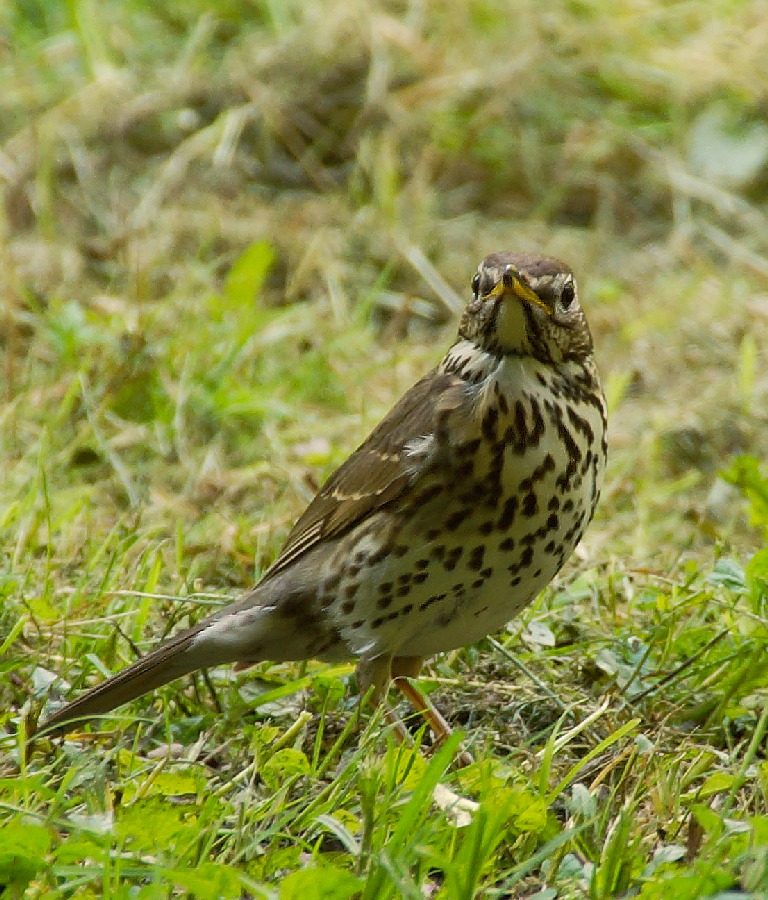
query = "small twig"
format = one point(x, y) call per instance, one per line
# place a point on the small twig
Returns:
point(735, 250)
point(566, 710)
point(583, 725)
point(415, 256)
point(681, 668)
point(197, 597)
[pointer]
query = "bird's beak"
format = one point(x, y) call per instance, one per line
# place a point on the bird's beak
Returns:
point(512, 281)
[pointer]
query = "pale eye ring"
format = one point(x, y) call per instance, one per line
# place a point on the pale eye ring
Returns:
point(568, 294)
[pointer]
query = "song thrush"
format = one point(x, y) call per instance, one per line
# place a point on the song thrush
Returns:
point(461, 505)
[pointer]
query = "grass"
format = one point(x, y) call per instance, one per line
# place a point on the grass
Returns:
point(232, 236)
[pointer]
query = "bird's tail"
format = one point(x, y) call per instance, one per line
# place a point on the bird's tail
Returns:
point(253, 628)
point(178, 656)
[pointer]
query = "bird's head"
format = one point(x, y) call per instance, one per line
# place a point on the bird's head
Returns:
point(526, 305)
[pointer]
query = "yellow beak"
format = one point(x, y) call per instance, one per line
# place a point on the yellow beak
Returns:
point(513, 281)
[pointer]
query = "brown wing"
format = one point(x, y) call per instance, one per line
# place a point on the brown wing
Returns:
point(375, 474)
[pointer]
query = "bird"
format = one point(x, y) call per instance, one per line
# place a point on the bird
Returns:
point(448, 520)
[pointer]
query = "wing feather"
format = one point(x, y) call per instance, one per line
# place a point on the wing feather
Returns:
point(376, 474)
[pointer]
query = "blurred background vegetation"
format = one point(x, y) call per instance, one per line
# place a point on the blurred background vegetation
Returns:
point(233, 233)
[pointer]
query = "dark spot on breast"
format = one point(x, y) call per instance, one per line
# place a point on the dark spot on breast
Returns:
point(455, 519)
point(465, 470)
point(508, 513)
point(452, 559)
point(435, 598)
point(547, 465)
point(507, 544)
point(475, 561)
point(530, 505)
point(537, 432)
point(520, 433)
point(380, 555)
point(581, 424)
point(348, 606)
point(469, 448)
point(384, 602)
point(490, 419)
point(420, 578)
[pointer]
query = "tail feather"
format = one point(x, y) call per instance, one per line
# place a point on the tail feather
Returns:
point(173, 659)
point(248, 630)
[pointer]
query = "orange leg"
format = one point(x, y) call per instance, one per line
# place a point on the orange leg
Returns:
point(406, 667)
point(373, 677)
point(376, 673)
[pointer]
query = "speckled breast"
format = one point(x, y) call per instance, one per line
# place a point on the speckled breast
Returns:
point(487, 530)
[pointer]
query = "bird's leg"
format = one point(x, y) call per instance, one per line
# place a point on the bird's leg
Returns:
point(404, 668)
point(373, 676)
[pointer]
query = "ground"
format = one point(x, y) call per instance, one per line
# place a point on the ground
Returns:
point(233, 235)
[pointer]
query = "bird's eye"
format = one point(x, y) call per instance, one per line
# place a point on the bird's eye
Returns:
point(568, 294)
point(476, 284)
